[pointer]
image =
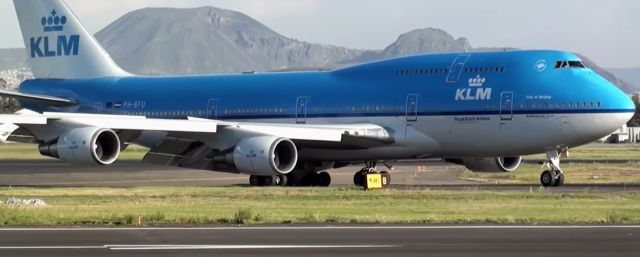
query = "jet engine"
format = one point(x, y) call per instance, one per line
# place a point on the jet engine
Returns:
point(492, 165)
point(265, 155)
point(84, 146)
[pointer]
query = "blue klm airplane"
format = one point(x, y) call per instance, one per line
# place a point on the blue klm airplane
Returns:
point(481, 110)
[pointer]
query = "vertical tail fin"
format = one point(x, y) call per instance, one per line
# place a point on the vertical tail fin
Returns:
point(58, 46)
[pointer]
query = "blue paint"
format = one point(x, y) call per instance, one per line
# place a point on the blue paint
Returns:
point(370, 90)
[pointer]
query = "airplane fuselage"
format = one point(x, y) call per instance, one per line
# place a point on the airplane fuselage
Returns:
point(445, 105)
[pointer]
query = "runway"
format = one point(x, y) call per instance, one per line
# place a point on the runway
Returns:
point(430, 175)
point(134, 173)
point(477, 241)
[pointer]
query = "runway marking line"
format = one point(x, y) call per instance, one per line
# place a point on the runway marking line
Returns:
point(34, 164)
point(125, 181)
point(235, 247)
point(189, 247)
point(333, 228)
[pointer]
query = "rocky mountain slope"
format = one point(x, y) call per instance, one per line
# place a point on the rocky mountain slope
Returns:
point(632, 75)
point(161, 41)
point(206, 40)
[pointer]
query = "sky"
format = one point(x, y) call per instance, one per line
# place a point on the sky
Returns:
point(606, 31)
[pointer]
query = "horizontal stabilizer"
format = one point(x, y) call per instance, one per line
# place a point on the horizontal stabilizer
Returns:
point(41, 99)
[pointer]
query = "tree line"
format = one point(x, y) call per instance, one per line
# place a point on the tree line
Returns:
point(7, 105)
point(635, 121)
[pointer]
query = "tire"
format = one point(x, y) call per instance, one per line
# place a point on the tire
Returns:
point(323, 179)
point(256, 180)
point(282, 180)
point(293, 180)
point(358, 179)
point(309, 180)
point(548, 178)
point(269, 180)
point(386, 179)
point(559, 180)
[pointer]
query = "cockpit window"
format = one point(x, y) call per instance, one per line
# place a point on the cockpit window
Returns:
point(570, 64)
point(577, 64)
point(561, 64)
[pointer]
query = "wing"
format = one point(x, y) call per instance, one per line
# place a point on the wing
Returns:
point(176, 140)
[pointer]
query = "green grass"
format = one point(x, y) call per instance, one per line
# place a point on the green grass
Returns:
point(599, 152)
point(575, 173)
point(30, 152)
point(596, 172)
point(180, 206)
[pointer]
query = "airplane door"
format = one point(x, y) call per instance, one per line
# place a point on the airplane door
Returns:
point(456, 68)
point(412, 108)
point(212, 109)
point(506, 106)
point(301, 109)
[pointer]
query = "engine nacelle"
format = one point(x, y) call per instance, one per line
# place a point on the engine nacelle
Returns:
point(265, 155)
point(493, 165)
point(84, 146)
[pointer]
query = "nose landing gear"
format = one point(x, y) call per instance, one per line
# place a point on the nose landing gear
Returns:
point(553, 177)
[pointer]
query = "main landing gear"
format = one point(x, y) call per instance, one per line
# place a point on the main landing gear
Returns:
point(310, 179)
point(553, 177)
point(369, 178)
point(280, 180)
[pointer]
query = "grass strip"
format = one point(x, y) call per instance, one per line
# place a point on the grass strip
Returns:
point(183, 206)
point(575, 173)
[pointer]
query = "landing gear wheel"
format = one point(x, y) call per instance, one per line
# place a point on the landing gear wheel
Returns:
point(256, 180)
point(358, 179)
point(554, 177)
point(270, 180)
point(559, 180)
point(548, 178)
point(282, 180)
point(386, 179)
point(309, 179)
point(323, 179)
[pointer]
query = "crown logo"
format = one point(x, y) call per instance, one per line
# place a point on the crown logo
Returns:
point(53, 22)
point(477, 81)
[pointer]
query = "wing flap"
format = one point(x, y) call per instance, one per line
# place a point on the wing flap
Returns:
point(148, 124)
point(23, 119)
point(354, 135)
point(116, 122)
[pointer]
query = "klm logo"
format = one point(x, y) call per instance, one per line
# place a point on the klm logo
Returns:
point(475, 92)
point(58, 45)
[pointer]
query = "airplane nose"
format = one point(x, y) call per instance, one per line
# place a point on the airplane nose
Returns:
point(620, 105)
point(614, 108)
point(627, 103)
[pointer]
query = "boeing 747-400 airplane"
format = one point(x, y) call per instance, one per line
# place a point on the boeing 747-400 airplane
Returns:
point(481, 110)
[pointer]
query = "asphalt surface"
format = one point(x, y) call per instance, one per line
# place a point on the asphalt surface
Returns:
point(133, 173)
point(405, 176)
point(477, 241)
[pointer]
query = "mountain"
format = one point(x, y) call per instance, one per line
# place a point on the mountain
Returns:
point(208, 40)
point(623, 85)
point(162, 41)
point(13, 58)
point(630, 74)
point(429, 40)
